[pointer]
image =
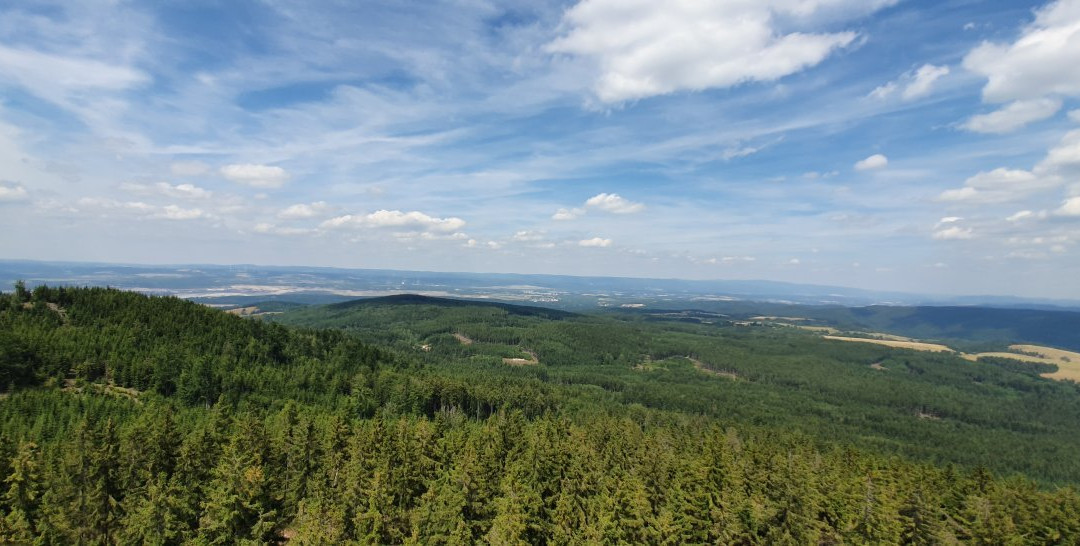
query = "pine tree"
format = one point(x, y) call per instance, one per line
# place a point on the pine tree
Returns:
point(22, 495)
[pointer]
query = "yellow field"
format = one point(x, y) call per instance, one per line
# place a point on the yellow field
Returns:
point(826, 329)
point(915, 345)
point(1068, 362)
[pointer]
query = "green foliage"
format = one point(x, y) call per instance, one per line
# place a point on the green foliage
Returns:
point(153, 420)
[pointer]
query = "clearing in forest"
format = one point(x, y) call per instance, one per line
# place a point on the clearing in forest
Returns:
point(702, 367)
point(1067, 362)
point(916, 345)
point(531, 361)
point(465, 340)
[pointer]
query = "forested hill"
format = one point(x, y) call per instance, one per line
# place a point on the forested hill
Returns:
point(132, 419)
point(415, 299)
point(971, 324)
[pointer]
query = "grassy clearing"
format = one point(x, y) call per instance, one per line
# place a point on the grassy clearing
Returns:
point(704, 368)
point(915, 345)
point(1068, 362)
point(531, 361)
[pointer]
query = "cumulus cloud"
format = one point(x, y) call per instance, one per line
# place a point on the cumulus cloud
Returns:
point(954, 232)
point(1062, 163)
point(567, 214)
point(526, 236)
point(597, 242)
point(301, 210)
point(141, 209)
point(1013, 116)
point(173, 212)
point(998, 186)
point(614, 203)
point(644, 49)
point(12, 192)
point(1064, 158)
point(181, 191)
point(1071, 207)
point(875, 161)
point(913, 85)
point(256, 176)
point(412, 221)
point(1040, 64)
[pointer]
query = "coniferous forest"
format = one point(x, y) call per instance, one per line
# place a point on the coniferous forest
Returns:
point(133, 419)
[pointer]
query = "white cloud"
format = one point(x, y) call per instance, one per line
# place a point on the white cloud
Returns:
point(884, 91)
point(414, 221)
point(998, 186)
point(1021, 215)
point(1074, 115)
point(256, 176)
point(923, 81)
point(794, 261)
point(730, 259)
point(1071, 207)
point(954, 232)
point(173, 212)
point(45, 74)
point(12, 192)
point(181, 191)
point(614, 203)
point(1063, 158)
point(141, 209)
point(1041, 63)
point(947, 220)
point(271, 229)
point(643, 49)
point(959, 194)
point(526, 236)
point(598, 242)
point(915, 84)
point(302, 210)
point(1013, 116)
point(567, 214)
point(875, 161)
point(189, 168)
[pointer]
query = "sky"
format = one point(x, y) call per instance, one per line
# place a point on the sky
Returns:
point(925, 146)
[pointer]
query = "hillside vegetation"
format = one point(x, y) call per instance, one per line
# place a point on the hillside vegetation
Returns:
point(128, 419)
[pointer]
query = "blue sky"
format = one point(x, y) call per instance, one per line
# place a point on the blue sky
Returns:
point(893, 144)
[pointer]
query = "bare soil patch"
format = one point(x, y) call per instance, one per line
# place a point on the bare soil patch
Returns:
point(465, 340)
point(531, 361)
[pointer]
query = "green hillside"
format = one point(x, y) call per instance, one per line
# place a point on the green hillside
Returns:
point(126, 419)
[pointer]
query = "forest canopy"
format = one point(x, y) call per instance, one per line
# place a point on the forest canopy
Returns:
point(127, 418)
